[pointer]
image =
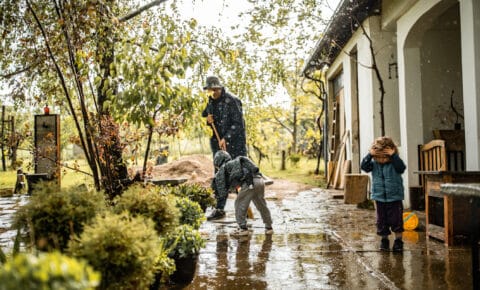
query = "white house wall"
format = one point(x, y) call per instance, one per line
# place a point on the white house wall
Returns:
point(368, 86)
point(470, 33)
point(365, 95)
point(410, 90)
point(433, 59)
point(441, 71)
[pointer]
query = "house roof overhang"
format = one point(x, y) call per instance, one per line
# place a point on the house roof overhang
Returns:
point(339, 30)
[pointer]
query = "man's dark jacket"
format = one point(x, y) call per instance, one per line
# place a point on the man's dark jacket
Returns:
point(228, 119)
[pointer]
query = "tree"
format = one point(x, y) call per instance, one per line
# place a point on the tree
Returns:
point(313, 83)
point(283, 31)
point(70, 47)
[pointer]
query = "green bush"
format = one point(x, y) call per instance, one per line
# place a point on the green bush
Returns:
point(294, 159)
point(52, 217)
point(146, 201)
point(123, 248)
point(47, 271)
point(195, 192)
point(190, 212)
point(3, 257)
point(184, 242)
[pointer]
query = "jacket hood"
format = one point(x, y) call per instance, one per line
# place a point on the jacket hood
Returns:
point(220, 158)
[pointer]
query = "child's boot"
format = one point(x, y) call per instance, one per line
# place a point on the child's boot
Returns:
point(397, 245)
point(384, 244)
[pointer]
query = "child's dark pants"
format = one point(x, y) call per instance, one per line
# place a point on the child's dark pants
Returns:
point(389, 217)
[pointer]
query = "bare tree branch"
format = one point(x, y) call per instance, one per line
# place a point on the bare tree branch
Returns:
point(22, 70)
point(132, 14)
point(374, 67)
point(280, 121)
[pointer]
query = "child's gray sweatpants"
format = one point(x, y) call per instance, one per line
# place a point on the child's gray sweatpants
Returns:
point(257, 195)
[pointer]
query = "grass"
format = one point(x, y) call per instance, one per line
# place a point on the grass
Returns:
point(302, 172)
point(69, 177)
point(8, 179)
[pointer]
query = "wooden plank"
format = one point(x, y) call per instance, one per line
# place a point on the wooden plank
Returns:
point(448, 219)
point(338, 167)
point(436, 232)
point(339, 151)
point(345, 169)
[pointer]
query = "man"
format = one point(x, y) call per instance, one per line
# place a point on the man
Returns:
point(224, 114)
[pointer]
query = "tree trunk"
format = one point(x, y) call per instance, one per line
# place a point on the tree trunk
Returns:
point(147, 151)
point(294, 129)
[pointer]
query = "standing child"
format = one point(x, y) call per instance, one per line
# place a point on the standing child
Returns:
point(241, 173)
point(387, 190)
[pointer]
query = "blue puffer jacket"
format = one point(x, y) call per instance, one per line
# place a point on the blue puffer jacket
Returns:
point(387, 183)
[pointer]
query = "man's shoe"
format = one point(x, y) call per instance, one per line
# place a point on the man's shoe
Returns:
point(216, 215)
point(397, 245)
point(268, 231)
point(385, 245)
point(240, 232)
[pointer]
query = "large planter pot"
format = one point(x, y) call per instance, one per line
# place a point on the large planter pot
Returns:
point(186, 268)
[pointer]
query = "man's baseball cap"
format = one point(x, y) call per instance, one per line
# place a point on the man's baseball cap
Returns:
point(212, 82)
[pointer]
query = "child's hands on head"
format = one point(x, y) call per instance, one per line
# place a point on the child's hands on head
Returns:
point(376, 150)
point(389, 151)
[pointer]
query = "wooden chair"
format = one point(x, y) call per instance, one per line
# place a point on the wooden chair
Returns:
point(440, 162)
point(455, 148)
point(433, 157)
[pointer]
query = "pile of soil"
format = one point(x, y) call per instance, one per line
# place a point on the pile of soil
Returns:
point(199, 169)
point(194, 168)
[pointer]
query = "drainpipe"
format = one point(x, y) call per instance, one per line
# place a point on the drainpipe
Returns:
point(325, 129)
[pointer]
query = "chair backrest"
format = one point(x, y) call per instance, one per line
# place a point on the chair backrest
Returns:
point(433, 156)
point(455, 148)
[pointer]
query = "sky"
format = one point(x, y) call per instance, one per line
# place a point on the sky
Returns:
point(207, 11)
point(225, 13)
point(214, 12)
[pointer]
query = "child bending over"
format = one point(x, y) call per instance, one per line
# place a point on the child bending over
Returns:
point(242, 174)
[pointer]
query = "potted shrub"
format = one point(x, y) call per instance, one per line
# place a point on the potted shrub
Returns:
point(123, 248)
point(47, 271)
point(184, 245)
point(195, 192)
point(190, 212)
point(53, 216)
point(146, 201)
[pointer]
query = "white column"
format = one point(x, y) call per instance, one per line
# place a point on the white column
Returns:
point(470, 33)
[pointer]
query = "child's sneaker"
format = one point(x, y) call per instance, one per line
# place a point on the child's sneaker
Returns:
point(240, 232)
point(397, 245)
point(268, 231)
point(385, 244)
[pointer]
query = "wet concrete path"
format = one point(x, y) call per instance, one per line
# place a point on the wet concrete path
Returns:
point(321, 243)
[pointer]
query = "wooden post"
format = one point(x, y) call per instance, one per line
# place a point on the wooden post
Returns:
point(15, 143)
point(47, 146)
point(283, 160)
point(356, 188)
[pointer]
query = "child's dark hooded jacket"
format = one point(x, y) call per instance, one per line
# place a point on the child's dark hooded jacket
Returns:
point(232, 173)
